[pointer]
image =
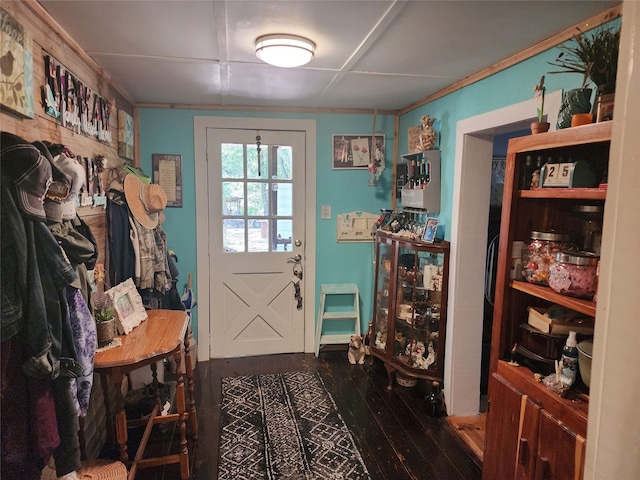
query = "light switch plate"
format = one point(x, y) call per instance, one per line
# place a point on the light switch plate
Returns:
point(325, 212)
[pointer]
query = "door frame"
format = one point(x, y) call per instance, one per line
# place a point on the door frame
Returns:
point(469, 221)
point(201, 124)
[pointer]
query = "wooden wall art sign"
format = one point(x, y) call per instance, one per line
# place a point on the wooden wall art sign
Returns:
point(16, 66)
point(69, 100)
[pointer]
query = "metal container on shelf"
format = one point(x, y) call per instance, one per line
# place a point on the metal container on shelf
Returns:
point(539, 253)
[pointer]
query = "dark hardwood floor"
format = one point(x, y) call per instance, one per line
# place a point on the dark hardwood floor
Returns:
point(396, 438)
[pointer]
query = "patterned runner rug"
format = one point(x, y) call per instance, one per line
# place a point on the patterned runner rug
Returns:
point(284, 426)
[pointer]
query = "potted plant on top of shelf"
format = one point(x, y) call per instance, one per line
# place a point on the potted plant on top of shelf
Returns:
point(595, 56)
point(540, 126)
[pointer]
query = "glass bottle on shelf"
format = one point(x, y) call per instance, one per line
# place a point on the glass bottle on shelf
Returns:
point(525, 176)
point(412, 176)
point(424, 179)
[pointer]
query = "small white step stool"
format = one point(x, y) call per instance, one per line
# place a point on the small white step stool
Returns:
point(337, 289)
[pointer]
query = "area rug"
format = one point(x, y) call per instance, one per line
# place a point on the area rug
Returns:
point(284, 426)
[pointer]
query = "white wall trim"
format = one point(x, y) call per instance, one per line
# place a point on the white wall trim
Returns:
point(469, 219)
point(201, 124)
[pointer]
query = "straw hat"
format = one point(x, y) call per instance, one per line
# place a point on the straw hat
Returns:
point(145, 201)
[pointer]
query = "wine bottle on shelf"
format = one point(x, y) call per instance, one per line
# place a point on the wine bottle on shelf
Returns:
point(423, 174)
point(412, 175)
point(525, 176)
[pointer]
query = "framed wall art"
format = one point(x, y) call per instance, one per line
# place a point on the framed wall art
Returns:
point(357, 151)
point(16, 74)
point(128, 306)
point(167, 172)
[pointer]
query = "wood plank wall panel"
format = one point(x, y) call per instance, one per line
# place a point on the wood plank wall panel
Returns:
point(44, 127)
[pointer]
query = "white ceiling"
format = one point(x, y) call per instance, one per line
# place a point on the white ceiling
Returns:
point(380, 54)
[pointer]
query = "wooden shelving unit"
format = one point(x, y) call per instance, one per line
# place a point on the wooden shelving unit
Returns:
point(532, 433)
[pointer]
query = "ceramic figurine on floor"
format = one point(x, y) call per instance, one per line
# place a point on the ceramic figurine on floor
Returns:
point(356, 350)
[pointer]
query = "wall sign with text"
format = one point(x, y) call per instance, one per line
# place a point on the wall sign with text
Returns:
point(167, 172)
point(73, 103)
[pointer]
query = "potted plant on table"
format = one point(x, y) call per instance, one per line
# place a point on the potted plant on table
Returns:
point(595, 56)
point(540, 126)
point(104, 315)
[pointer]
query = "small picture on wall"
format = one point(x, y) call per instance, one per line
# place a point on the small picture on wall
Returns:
point(125, 135)
point(356, 151)
point(430, 230)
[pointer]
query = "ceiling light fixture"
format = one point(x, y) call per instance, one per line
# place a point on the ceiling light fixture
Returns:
point(283, 50)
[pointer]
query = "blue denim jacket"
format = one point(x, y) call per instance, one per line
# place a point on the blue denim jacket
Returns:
point(34, 274)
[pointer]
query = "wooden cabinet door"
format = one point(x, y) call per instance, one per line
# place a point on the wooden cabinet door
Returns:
point(560, 452)
point(527, 439)
point(501, 438)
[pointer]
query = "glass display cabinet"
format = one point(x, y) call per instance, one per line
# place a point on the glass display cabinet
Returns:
point(410, 306)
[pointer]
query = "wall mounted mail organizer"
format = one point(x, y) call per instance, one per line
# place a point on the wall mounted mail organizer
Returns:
point(356, 226)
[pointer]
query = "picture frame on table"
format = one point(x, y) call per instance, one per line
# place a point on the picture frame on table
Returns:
point(430, 230)
point(127, 303)
point(355, 151)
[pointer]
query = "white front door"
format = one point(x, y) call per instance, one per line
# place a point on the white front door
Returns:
point(256, 216)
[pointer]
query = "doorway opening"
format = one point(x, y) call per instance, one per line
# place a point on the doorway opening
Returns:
point(469, 230)
point(469, 226)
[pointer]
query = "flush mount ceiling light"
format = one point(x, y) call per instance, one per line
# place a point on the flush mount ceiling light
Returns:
point(283, 50)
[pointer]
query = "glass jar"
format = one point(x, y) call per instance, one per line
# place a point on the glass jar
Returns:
point(539, 252)
point(588, 227)
point(574, 274)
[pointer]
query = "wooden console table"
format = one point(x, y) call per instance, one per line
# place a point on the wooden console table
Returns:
point(163, 334)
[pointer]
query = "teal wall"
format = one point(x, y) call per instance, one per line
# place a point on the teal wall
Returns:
point(171, 131)
point(507, 87)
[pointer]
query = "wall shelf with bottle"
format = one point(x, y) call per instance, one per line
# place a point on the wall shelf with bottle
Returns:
point(410, 306)
point(549, 248)
point(422, 189)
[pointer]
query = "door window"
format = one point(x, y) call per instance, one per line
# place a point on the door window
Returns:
point(257, 193)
